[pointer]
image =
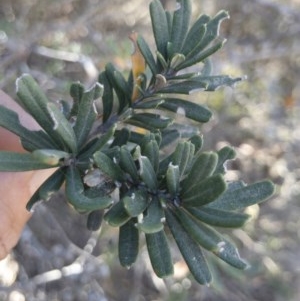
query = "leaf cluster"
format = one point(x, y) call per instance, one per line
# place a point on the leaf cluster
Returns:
point(120, 136)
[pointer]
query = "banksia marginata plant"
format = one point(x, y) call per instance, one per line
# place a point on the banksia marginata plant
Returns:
point(122, 134)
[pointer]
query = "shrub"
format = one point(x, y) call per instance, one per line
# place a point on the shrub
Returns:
point(122, 134)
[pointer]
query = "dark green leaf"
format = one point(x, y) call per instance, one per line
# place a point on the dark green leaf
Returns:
point(237, 197)
point(197, 140)
point(185, 87)
point(147, 54)
point(159, 253)
point(33, 139)
point(127, 163)
point(190, 250)
point(153, 218)
point(214, 82)
point(147, 173)
point(151, 151)
point(87, 113)
point(117, 216)
point(205, 192)
point(97, 143)
point(180, 25)
point(62, 128)
point(109, 167)
point(120, 86)
point(149, 104)
point(94, 220)
point(10, 161)
point(121, 137)
point(50, 186)
point(203, 167)
point(201, 56)
point(188, 109)
point(168, 136)
point(135, 202)
point(219, 218)
point(108, 96)
point(76, 196)
point(128, 243)
point(159, 26)
point(182, 156)
point(229, 253)
point(149, 121)
point(204, 235)
point(224, 154)
point(195, 34)
point(34, 101)
point(173, 177)
point(76, 92)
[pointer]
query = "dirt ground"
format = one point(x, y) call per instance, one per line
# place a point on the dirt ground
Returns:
point(57, 258)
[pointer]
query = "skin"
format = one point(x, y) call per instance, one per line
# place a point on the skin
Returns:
point(15, 188)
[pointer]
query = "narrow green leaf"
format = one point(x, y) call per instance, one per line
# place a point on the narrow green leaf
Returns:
point(229, 253)
point(149, 104)
point(33, 139)
point(128, 243)
point(176, 60)
point(147, 173)
point(168, 136)
point(163, 62)
point(203, 167)
point(108, 167)
point(151, 151)
point(76, 92)
point(149, 121)
point(159, 26)
point(219, 218)
point(97, 143)
point(197, 141)
point(34, 101)
point(182, 156)
point(190, 250)
point(108, 96)
point(224, 154)
point(169, 16)
point(180, 25)
point(195, 34)
point(10, 161)
point(204, 235)
point(47, 189)
point(62, 129)
point(94, 220)
point(173, 177)
point(117, 216)
point(214, 82)
point(51, 157)
point(189, 109)
point(201, 56)
point(76, 196)
point(87, 113)
point(153, 218)
point(240, 197)
point(159, 253)
point(211, 34)
point(185, 87)
point(205, 192)
point(147, 54)
point(119, 84)
point(213, 27)
point(136, 202)
point(127, 163)
point(121, 137)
